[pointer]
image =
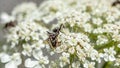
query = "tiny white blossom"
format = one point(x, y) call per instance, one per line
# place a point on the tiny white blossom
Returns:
point(118, 45)
point(71, 50)
point(64, 59)
point(101, 40)
point(109, 54)
point(97, 21)
point(88, 64)
point(11, 61)
point(27, 50)
point(4, 57)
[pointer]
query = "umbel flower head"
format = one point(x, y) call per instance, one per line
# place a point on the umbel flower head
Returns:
point(88, 38)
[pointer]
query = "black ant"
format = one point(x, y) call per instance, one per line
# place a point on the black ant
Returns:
point(10, 24)
point(52, 39)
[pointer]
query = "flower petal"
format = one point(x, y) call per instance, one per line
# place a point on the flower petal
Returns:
point(30, 63)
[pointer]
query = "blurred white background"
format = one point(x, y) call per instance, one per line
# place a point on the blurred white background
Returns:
point(8, 5)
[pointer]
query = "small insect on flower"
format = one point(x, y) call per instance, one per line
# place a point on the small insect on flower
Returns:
point(10, 24)
point(115, 3)
point(52, 39)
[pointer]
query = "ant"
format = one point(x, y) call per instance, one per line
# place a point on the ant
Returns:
point(10, 24)
point(52, 39)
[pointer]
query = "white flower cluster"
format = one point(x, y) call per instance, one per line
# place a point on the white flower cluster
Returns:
point(25, 38)
point(76, 47)
point(11, 61)
point(90, 35)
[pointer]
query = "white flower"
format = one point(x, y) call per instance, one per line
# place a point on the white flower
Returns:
point(24, 7)
point(27, 49)
point(64, 59)
point(97, 21)
point(88, 64)
point(39, 45)
point(30, 63)
point(80, 53)
point(109, 54)
point(118, 45)
point(36, 63)
point(87, 27)
point(71, 50)
point(65, 54)
point(101, 40)
point(76, 64)
point(98, 30)
point(5, 18)
point(111, 28)
point(21, 11)
point(72, 41)
point(116, 37)
point(4, 57)
point(93, 54)
point(11, 61)
point(53, 65)
point(39, 60)
point(50, 11)
point(117, 62)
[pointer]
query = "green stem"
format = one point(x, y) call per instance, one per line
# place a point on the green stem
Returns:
point(71, 60)
point(107, 65)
